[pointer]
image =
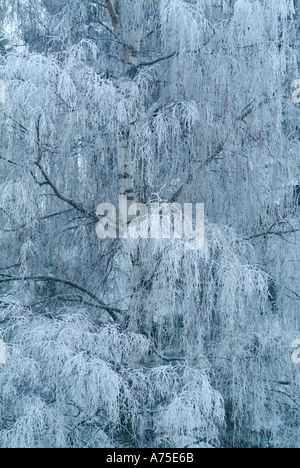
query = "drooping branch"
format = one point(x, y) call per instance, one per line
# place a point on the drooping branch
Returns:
point(111, 310)
point(78, 206)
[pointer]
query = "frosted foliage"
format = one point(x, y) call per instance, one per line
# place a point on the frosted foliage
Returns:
point(134, 342)
point(184, 23)
point(193, 411)
point(37, 426)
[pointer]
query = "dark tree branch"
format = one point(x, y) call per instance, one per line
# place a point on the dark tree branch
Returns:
point(9, 161)
point(78, 206)
point(11, 267)
point(53, 215)
point(21, 127)
point(111, 310)
point(99, 4)
point(116, 37)
point(271, 233)
point(67, 200)
point(158, 60)
point(105, 26)
point(247, 111)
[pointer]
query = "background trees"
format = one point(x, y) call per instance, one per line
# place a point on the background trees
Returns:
point(138, 343)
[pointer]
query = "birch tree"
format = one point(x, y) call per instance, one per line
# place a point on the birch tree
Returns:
point(139, 342)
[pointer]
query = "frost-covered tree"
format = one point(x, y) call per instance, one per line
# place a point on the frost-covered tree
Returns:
point(134, 342)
